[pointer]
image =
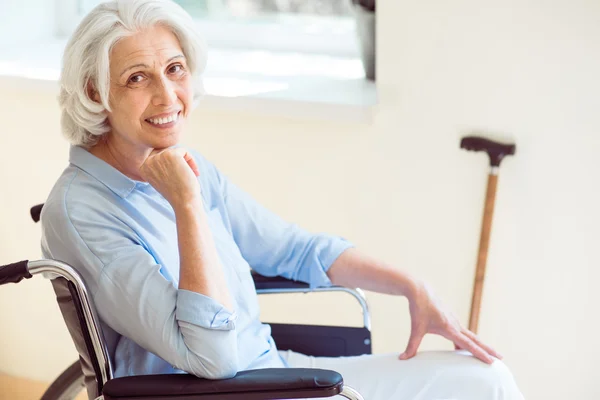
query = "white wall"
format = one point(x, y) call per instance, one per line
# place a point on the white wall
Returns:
point(401, 189)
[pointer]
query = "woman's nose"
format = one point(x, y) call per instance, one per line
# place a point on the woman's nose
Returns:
point(164, 93)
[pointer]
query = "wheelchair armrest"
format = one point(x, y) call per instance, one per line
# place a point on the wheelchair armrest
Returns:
point(276, 282)
point(258, 384)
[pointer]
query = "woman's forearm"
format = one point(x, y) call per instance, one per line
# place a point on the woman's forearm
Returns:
point(200, 268)
point(355, 269)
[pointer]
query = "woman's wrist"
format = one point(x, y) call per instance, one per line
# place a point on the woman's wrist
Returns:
point(187, 205)
point(412, 288)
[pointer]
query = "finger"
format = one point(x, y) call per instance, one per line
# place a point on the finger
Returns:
point(484, 346)
point(157, 151)
point(413, 345)
point(150, 157)
point(467, 344)
point(192, 163)
point(189, 159)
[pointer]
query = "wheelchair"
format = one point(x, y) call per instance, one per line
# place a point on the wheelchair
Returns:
point(94, 371)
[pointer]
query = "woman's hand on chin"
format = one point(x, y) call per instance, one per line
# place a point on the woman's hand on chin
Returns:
point(173, 173)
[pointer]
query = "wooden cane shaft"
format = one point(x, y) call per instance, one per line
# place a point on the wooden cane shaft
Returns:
point(484, 241)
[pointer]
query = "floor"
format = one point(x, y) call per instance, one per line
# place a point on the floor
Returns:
point(12, 388)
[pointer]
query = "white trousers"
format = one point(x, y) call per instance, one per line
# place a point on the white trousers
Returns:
point(430, 375)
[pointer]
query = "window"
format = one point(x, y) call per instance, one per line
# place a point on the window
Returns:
point(296, 58)
point(324, 27)
point(252, 8)
point(289, 57)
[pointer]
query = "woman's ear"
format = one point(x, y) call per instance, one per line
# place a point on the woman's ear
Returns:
point(92, 92)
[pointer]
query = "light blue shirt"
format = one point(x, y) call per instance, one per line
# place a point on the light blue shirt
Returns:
point(120, 235)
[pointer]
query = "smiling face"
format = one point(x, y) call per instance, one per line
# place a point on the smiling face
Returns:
point(150, 91)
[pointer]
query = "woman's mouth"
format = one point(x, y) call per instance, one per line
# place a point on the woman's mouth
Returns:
point(165, 121)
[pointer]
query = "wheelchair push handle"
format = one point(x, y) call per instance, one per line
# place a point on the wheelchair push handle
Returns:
point(15, 272)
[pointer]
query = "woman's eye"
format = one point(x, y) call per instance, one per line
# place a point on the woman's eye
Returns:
point(175, 68)
point(136, 79)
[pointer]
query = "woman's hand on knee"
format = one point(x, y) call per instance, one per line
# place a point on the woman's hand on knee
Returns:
point(428, 315)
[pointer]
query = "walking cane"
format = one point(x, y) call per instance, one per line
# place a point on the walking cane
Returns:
point(496, 151)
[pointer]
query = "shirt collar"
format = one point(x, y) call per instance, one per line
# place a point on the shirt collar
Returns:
point(102, 171)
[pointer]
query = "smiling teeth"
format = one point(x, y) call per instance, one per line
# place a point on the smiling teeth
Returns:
point(166, 120)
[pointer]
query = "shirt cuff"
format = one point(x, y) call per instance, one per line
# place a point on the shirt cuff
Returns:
point(201, 310)
point(327, 253)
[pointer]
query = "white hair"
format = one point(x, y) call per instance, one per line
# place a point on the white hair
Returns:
point(86, 60)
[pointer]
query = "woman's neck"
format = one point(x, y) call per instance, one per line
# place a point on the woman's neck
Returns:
point(124, 158)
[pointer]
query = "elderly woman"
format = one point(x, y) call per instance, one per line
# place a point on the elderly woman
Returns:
point(165, 241)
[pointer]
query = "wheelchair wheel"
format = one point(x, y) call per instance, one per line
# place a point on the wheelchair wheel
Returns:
point(67, 386)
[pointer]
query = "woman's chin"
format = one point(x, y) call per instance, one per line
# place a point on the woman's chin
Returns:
point(169, 139)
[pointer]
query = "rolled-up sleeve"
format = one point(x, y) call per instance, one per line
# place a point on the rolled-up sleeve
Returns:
point(191, 331)
point(198, 309)
point(274, 247)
